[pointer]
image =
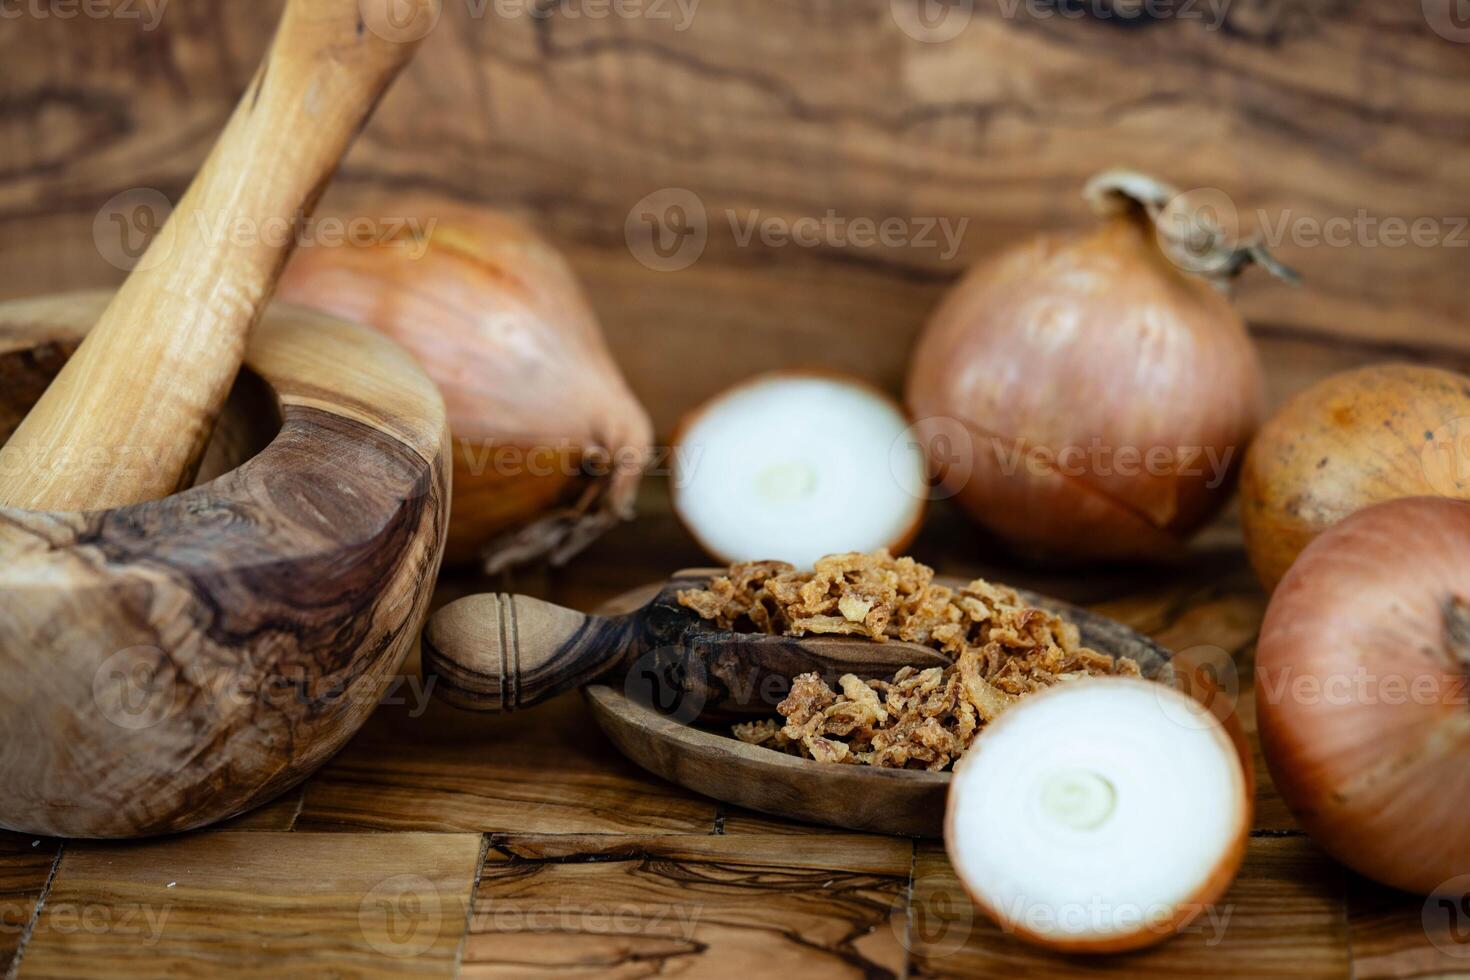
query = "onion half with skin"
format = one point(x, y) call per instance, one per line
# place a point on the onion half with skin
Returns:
point(1103, 382)
point(1354, 439)
point(549, 442)
point(1099, 815)
point(1361, 691)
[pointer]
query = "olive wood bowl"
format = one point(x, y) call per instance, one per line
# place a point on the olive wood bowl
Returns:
point(886, 801)
point(170, 664)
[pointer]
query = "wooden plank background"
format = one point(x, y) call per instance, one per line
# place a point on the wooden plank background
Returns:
point(1300, 110)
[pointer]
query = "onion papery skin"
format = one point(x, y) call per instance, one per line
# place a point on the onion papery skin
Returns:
point(1361, 698)
point(1354, 439)
point(549, 442)
point(1098, 346)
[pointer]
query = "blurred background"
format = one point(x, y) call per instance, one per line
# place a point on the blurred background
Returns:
point(666, 144)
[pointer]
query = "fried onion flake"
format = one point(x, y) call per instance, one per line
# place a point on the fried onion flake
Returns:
point(1002, 649)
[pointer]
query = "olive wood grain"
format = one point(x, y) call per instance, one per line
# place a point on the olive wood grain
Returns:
point(152, 376)
point(720, 766)
point(501, 652)
point(169, 664)
point(888, 801)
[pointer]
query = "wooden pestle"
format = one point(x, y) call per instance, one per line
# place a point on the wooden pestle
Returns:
point(128, 418)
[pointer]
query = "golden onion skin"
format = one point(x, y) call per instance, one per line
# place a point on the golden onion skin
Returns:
point(1354, 439)
point(1361, 691)
point(549, 442)
point(1083, 341)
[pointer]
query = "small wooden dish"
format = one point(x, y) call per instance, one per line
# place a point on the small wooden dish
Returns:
point(886, 801)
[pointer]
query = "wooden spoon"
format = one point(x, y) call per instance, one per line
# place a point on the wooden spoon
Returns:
point(497, 652)
point(146, 386)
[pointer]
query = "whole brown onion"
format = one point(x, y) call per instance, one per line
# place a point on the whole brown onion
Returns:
point(549, 443)
point(1090, 395)
point(1361, 691)
point(1354, 439)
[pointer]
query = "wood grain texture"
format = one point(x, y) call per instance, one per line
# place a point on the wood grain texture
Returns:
point(26, 866)
point(547, 770)
point(1308, 109)
point(1283, 918)
point(1395, 934)
point(278, 815)
point(258, 905)
point(689, 906)
point(499, 652)
point(716, 764)
point(176, 662)
point(153, 373)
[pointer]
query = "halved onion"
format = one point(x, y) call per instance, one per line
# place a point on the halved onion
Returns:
point(1099, 815)
point(795, 465)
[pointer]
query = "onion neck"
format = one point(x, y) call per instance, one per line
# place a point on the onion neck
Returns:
point(1187, 233)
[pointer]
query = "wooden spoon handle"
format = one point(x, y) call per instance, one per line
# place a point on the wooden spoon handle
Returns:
point(496, 652)
point(128, 418)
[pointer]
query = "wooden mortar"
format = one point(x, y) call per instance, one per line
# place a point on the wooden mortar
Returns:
point(169, 664)
point(168, 661)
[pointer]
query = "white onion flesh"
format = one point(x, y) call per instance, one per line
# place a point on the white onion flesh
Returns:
point(1098, 814)
point(792, 467)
